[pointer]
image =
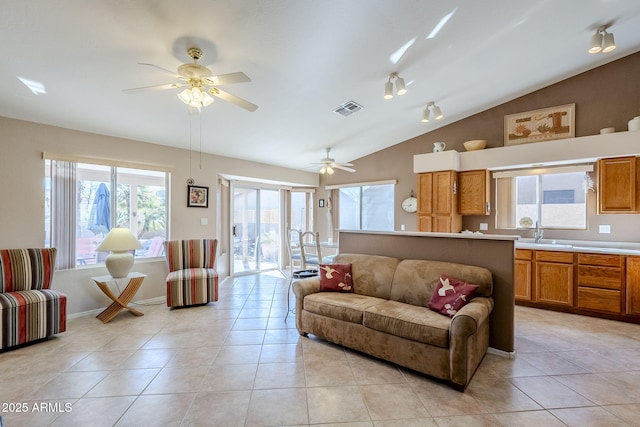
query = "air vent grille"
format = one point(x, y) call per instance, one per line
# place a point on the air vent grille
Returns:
point(348, 108)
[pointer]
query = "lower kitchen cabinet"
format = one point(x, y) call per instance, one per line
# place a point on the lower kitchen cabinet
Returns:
point(554, 277)
point(522, 273)
point(633, 285)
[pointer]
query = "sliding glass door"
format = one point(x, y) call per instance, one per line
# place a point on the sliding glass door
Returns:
point(256, 229)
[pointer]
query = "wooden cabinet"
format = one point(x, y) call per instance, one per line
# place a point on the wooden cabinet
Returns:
point(618, 189)
point(522, 274)
point(633, 285)
point(554, 277)
point(475, 192)
point(438, 202)
point(600, 282)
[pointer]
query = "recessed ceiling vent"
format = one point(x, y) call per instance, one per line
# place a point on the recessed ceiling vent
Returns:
point(348, 108)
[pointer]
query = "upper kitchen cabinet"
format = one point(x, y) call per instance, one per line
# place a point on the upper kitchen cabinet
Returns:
point(438, 202)
point(475, 192)
point(618, 189)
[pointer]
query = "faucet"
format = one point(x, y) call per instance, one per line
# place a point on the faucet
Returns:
point(538, 233)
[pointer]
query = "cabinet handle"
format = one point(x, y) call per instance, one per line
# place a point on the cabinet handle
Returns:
point(488, 207)
point(455, 187)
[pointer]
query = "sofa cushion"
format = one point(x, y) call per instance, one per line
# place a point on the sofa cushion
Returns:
point(340, 305)
point(450, 295)
point(372, 274)
point(336, 278)
point(409, 321)
point(415, 280)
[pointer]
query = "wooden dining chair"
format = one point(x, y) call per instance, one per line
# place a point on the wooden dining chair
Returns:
point(312, 251)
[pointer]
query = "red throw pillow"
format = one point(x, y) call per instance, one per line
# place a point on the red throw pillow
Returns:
point(336, 278)
point(451, 295)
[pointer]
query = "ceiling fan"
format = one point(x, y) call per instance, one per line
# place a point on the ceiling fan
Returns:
point(200, 84)
point(329, 165)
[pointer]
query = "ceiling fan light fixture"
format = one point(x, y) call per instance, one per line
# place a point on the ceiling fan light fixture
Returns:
point(206, 99)
point(330, 170)
point(185, 96)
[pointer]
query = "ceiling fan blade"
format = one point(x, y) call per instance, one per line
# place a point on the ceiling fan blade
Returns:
point(173, 73)
point(344, 164)
point(343, 168)
point(233, 99)
point(225, 79)
point(158, 87)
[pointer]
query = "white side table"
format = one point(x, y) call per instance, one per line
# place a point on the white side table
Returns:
point(133, 282)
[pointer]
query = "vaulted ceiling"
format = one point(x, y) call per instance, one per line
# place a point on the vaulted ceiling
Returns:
point(305, 58)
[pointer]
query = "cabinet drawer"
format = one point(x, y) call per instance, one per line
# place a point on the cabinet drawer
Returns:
point(600, 277)
point(601, 259)
point(599, 299)
point(524, 254)
point(554, 256)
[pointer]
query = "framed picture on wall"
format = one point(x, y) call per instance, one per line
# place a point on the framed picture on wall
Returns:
point(545, 124)
point(198, 197)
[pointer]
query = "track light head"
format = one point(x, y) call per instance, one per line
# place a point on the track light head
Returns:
point(400, 86)
point(388, 90)
point(608, 43)
point(437, 112)
point(602, 41)
point(426, 115)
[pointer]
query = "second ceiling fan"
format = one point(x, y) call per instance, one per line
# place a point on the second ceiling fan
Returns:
point(328, 165)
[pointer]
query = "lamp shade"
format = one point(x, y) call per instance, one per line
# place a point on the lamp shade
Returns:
point(596, 43)
point(400, 86)
point(608, 43)
point(119, 241)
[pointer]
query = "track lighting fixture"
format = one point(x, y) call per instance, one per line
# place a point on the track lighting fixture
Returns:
point(602, 41)
point(401, 88)
point(426, 113)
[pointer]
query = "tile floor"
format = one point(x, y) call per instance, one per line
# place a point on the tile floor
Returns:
point(238, 363)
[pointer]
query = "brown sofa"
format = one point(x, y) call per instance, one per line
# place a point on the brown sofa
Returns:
point(387, 315)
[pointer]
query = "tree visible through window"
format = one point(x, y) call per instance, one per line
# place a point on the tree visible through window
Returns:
point(81, 207)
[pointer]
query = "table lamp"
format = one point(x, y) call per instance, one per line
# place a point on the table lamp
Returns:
point(119, 241)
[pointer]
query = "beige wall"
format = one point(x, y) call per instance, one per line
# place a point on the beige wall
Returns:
point(22, 197)
point(607, 96)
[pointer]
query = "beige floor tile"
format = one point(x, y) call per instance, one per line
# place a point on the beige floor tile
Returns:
point(177, 379)
point(597, 389)
point(244, 337)
point(528, 419)
point(550, 393)
point(102, 360)
point(627, 413)
point(149, 358)
point(233, 354)
point(328, 373)
point(445, 402)
point(250, 324)
point(588, 417)
point(280, 375)
point(129, 382)
point(368, 370)
point(551, 363)
point(499, 395)
point(229, 377)
point(419, 422)
point(201, 356)
point(481, 420)
point(277, 353)
point(336, 404)
point(268, 408)
point(157, 410)
point(68, 385)
point(224, 409)
point(392, 402)
point(95, 412)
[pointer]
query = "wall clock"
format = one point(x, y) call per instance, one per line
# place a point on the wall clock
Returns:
point(410, 204)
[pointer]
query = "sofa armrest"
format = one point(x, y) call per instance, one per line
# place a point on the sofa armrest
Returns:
point(302, 288)
point(467, 342)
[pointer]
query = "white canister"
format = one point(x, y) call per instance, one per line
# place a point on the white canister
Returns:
point(634, 124)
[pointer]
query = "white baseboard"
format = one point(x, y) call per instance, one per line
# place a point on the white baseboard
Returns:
point(502, 353)
point(150, 301)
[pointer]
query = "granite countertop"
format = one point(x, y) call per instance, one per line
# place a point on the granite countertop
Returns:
point(617, 248)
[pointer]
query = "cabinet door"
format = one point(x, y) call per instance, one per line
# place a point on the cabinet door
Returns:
point(444, 192)
point(554, 283)
point(425, 191)
point(522, 285)
point(425, 223)
point(633, 285)
point(474, 192)
point(617, 191)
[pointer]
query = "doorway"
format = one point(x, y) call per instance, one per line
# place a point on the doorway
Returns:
point(255, 229)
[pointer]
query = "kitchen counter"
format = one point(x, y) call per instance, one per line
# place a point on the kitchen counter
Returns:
point(580, 246)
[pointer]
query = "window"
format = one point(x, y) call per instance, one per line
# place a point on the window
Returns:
point(555, 198)
point(81, 207)
point(302, 210)
point(366, 207)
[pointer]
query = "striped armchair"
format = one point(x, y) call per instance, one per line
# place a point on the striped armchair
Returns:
point(192, 277)
point(29, 310)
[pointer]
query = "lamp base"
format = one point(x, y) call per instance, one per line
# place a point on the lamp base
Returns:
point(119, 264)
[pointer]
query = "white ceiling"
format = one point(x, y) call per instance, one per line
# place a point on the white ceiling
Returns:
point(304, 57)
